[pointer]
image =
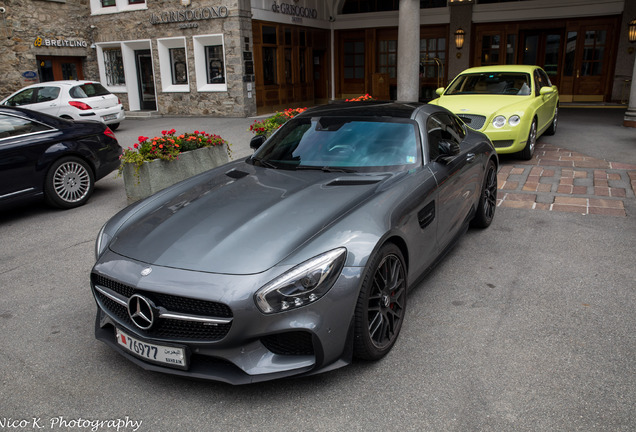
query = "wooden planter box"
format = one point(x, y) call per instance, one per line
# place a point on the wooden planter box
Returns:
point(158, 174)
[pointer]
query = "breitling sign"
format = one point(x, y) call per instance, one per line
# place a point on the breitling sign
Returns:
point(189, 15)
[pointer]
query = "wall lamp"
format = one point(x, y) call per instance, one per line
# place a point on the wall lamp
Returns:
point(459, 38)
point(631, 31)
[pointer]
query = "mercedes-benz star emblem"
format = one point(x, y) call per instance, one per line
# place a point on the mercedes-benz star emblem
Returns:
point(146, 271)
point(141, 312)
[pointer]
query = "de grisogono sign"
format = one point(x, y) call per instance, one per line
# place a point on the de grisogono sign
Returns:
point(189, 16)
point(294, 10)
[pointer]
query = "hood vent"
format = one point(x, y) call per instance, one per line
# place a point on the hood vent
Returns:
point(236, 174)
point(354, 181)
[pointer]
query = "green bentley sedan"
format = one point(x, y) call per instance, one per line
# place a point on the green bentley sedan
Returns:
point(512, 104)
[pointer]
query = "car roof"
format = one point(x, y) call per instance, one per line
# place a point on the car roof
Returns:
point(365, 109)
point(501, 68)
point(61, 83)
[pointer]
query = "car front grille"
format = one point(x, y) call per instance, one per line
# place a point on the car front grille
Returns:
point(166, 328)
point(474, 121)
point(290, 343)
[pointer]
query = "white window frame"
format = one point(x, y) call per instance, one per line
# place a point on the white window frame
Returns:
point(200, 66)
point(102, 66)
point(120, 6)
point(165, 64)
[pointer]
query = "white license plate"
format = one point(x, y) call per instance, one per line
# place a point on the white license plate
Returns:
point(109, 117)
point(167, 355)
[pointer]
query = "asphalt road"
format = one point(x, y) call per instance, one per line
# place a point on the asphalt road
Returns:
point(526, 326)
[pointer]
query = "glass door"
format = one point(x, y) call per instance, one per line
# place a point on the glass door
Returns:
point(543, 48)
point(146, 80)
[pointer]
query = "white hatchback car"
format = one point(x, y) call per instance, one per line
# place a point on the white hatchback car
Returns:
point(77, 100)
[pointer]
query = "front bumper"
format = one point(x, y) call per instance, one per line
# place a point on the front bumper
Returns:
point(508, 139)
point(254, 347)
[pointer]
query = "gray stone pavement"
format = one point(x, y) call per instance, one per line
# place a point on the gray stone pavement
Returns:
point(526, 326)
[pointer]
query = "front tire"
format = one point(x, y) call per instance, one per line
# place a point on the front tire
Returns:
point(488, 200)
point(381, 304)
point(528, 151)
point(69, 183)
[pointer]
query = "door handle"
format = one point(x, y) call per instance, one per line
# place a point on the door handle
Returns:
point(470, 157)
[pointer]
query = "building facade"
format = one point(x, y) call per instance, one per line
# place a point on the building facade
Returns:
point(240, 57)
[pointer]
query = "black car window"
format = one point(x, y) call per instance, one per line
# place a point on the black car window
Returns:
point(544, 78)
point(88, 90)
point(12, 126)
point(540, 80)
point(46, 94)
point(25, 97)
point(442, 130)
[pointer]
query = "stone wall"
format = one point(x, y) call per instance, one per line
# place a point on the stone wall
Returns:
point(26, 20)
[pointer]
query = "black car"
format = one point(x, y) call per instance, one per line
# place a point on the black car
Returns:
point(57, 158)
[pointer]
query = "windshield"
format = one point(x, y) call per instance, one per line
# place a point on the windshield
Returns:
point(494, 83)
point(351, 144)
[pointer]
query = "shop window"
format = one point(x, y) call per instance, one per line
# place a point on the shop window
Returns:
point(136, 1)
point(354, 59)
point(269, 35)
point(593, 52)
point(108, 3)
point(114, 67)
point(209, 61)
point(302, 65)
point(179, 67)
point(511, 49)
point(432, 57)
point(570, 52)
point(214, 62)
point(173, 64)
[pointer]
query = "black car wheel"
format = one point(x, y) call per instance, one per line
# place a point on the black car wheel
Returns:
point(528, 151)
point(69, 183)
point(113, 126)
point(381, 304)
point(488, 199)
point(553, 126)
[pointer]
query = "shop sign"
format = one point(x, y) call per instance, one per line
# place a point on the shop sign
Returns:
point(295, 11)
point(40, 42)
point(189, 15)
point(29, 75)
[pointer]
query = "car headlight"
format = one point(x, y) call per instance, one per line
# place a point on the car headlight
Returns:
point(303, 284)
point(514, 120)
point(101, 243)
point(499, 121)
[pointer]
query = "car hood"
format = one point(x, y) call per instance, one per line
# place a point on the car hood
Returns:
point(241, 221)
point(486, 105)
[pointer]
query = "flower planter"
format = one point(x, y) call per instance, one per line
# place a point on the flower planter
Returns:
point(156, 175)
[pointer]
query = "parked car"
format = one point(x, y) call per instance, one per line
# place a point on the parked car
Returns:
point(298, 258)
point(77, 100)
point(512, 104)
point(42, 155)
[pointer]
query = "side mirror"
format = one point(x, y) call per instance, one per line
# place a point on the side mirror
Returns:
point(439, 91)
point(546, 90)
point(256, 142)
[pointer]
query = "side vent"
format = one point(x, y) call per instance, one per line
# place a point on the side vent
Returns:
point(426, 215)
point(354, 181)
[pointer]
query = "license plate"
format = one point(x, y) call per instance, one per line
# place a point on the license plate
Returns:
point(166, 355)
point(109, 117)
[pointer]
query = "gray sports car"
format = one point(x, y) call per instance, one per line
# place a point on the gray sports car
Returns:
point(298, 258)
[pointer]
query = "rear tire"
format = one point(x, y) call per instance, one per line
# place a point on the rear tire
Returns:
point(69, 183)
point(113, 126)
point(488, 199)
point(381, 304)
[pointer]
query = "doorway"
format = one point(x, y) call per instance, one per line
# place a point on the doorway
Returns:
point(146, 80)
point(56, 68)
point(543, 48)
point(321, 80)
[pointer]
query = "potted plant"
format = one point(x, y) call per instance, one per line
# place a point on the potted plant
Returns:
point(153, 164)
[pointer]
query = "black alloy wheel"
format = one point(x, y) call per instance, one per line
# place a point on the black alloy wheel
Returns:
point(488, 199)
point(69, 183)
point(381, 304)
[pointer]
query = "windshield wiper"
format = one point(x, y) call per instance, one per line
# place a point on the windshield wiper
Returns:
point(325, 169)
point(263, 163)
